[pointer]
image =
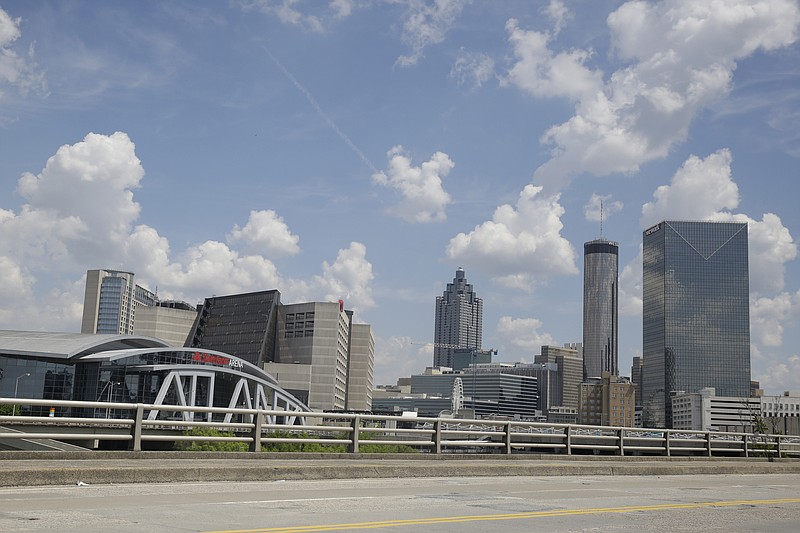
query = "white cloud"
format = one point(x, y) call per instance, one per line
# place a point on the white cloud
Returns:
point(522, 245)
point(523, 333)
point(558, 13)
point(541, 73)
point(348, 278)
point(81, 214)
point(470, 68)
point(767, 316)
point(777, 374)
point(681, 56)
point(17, 71)
point(427, 24)
point(267, 234)
point(600, 207)
point(424, 198)
point(630, 287)
point(698, 189)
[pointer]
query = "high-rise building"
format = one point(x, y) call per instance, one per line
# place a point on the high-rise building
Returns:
point(110, 302)
point(360, 363)
point(600, 296)
point(459, 320)
point(696, 316)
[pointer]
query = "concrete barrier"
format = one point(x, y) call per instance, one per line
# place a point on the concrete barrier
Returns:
point(68, 468)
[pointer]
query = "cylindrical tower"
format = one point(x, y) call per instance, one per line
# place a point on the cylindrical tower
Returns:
point(600, 297)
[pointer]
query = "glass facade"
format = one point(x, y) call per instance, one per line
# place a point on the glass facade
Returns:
point(696, 316)
point(600, 308)
point(459, 320)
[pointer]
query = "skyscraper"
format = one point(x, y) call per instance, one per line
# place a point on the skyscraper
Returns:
point(110, 302)
point(459, 320)
point(600, 296)
point(696, 322)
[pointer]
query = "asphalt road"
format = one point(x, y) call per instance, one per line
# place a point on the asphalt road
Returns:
point(762, 503)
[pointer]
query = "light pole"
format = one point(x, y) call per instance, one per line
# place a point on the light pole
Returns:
point(16, 386)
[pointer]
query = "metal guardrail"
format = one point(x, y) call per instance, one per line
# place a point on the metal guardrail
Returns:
point(257, 427)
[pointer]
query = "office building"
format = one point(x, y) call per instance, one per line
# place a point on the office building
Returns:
point(600, 297)
point(705, 411)
point(607, 401)
point(360, 363)
point(696, 321)
point(489, 392)
point(781, 414)
point(459, 320)
point(110, 302)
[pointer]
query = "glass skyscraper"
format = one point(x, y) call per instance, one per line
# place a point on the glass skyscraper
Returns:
point(459, 320)
point(696, 322)
point(600, 308)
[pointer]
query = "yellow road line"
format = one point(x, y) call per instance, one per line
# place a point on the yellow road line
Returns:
point(510, 516)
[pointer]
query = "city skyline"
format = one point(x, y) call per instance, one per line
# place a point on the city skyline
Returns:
point(364, 150)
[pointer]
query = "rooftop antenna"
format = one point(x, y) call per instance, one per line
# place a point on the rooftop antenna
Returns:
point(601, 218)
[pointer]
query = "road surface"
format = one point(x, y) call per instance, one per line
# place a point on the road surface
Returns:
point(762, 503)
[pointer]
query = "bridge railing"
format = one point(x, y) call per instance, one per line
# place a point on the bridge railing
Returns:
point(129, 422)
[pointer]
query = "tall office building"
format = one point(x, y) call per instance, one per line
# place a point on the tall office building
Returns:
point(459, 320)
point(110, 301)
point(600, 297)
point(696, 322)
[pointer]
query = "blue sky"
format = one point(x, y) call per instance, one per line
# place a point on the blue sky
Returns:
point(364, 150)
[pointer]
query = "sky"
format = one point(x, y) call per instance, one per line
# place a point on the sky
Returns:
point(366, 149)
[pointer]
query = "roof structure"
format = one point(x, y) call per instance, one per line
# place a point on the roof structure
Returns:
point(69, 345)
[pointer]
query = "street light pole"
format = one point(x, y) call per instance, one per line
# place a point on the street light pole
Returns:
point(16, 386)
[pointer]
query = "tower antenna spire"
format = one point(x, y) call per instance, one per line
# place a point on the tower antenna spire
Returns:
point(601, 218)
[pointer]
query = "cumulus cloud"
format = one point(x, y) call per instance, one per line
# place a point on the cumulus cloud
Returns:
point(767, 316)
point(19, 71)
point(678, 57)
point(522, 244)
point(266, 233)
point(423, 197)
point(471, 68)
point(426, 24)
point(80, 214)
point(523, 333)
point(348, 278)
point(601, 207)
point(699, 188)
point(542, 73)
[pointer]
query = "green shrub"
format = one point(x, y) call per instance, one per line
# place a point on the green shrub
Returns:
point(209, 446)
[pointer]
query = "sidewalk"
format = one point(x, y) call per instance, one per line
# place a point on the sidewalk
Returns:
point(67, 468)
